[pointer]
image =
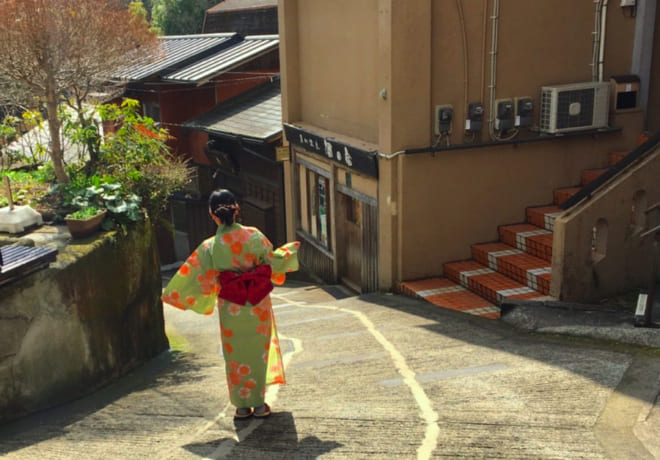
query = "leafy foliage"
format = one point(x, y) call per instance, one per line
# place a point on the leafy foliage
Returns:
point(180, 17)
point(135, 172)
point(137, 156)
point(123, 207)
point(85, 213)
point(59, 51)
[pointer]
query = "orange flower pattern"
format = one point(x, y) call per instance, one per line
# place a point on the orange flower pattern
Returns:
point(246, 331)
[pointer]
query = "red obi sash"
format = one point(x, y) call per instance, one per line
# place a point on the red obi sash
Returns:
point(240, 288)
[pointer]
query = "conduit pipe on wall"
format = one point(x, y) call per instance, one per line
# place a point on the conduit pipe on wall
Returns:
point(595, 44)
point(461, 21)
point(493, 66)
point(484, 27)
point(493, 70)
point(601, 45)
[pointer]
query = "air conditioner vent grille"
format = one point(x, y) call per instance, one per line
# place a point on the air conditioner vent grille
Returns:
point(574, 107)
point(585, 99)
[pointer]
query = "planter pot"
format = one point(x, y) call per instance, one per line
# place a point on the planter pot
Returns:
point(80, 228)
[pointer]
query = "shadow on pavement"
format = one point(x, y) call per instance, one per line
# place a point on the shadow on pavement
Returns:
point(276, 437)
point(590, 357)
point(169, 368)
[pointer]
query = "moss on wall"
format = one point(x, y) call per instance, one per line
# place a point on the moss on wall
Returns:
point(89, 318)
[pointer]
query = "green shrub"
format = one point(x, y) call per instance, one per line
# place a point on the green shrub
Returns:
point(85, 213)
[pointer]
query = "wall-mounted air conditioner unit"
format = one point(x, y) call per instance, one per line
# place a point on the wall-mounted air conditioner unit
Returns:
point(574, 107)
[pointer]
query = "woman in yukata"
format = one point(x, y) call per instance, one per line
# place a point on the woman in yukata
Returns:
point(238, 267)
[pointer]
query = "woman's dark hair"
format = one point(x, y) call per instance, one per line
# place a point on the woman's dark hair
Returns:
point(223, 205)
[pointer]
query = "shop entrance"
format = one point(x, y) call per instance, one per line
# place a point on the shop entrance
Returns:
point(357, 235)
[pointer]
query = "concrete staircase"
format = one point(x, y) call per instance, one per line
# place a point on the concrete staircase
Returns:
point(517, 266)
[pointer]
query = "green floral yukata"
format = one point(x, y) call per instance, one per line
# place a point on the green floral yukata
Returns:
point(249, 337)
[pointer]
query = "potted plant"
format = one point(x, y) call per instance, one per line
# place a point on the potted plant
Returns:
point(85, 221)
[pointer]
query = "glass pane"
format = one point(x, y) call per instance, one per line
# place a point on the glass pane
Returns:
point(313, 204)
point(302, 198)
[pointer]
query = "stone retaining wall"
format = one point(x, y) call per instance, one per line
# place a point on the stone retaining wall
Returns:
point(91, 316)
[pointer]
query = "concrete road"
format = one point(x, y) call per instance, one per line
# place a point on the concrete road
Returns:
point(378, 376)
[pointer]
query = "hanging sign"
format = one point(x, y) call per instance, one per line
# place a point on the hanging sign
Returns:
point(352, 157)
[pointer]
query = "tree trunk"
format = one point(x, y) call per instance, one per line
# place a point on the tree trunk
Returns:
point(56, 153)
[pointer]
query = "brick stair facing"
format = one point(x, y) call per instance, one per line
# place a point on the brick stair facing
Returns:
point(562, 194)
point(589, 175)
point(486, 282)
point(524, 268)
point(615, 157)
point(543, 216)
point(446, 294)
point(529, 238)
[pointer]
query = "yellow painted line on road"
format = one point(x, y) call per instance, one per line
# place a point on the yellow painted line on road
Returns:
point(428, 414)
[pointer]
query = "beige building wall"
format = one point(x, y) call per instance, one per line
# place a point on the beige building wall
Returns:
point(374, 70)
point(337, 43)
point(462, 196)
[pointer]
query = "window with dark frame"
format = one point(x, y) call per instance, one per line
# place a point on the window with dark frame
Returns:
point(314, 212)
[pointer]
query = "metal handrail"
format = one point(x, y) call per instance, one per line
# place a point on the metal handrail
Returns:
point(591, 187)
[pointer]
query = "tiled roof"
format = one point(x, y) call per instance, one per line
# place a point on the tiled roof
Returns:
point(233, 5)
point(175, 51)
point(226, 59)
point(255, 114)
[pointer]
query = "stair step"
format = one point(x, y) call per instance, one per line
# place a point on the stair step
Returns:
point(563, 194)
point(543, 216)
point(514, 263)
point(446, 294)
point(529, 238)
point(589, 175)
point(615, 157)
point(487, 283)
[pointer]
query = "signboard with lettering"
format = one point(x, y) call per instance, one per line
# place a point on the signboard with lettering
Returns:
point(357, 159)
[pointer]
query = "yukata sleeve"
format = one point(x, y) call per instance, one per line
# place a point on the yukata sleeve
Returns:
point(195, 285)
point(282, 260)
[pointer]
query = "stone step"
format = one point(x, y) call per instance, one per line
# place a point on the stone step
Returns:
point(488, 283)
point(515, 264)
point(543, 216)
point(445, 293)
point(528, 238)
